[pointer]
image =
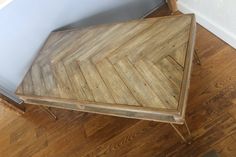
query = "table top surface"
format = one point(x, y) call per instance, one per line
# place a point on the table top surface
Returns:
point(124, 69)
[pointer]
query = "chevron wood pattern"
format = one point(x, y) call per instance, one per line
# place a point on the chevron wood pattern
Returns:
point(137, 69)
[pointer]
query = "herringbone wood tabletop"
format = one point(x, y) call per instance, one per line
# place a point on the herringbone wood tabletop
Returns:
point(137, 69)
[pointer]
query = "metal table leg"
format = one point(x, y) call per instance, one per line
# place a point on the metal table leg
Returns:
point(181, 135)
point(49, 112)
point(197, 57)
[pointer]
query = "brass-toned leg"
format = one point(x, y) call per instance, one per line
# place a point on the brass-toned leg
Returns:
point(197, 57)
point(186, 125)
point(178, 132)
point(181, 135)
point(49, 112)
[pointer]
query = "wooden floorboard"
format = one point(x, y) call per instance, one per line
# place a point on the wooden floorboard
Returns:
point(211, 115)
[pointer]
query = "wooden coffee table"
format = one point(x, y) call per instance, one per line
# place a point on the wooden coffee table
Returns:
point(138, 69)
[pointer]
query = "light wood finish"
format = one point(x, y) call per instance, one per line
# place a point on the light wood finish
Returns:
point(211, 116)
point(138, 69)
point(172, 5)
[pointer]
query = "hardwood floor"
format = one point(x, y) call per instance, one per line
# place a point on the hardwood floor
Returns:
point(211, 115)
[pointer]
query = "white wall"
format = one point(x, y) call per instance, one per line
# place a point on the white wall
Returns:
point(25, 24)
point(218, 16)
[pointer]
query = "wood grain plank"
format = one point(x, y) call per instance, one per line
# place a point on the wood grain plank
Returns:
point(96, 44)
point(119, 90)
point(53, 39)
point(187, 68)
point(50, 82)
point(38, 83)
point(171, 70)
point(81, 41)
point(129, 30)
point(170, 45)
point(79, 83)
point(178, 54)
point(166, 91)
point(137, 84)
point(136, 45)
point(100, 92)
point(28, 84)
point(64, 85)
point(54, 48)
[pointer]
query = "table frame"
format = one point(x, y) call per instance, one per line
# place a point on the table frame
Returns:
point(167, 116)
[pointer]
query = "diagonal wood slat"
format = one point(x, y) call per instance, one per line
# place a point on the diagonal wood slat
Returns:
point(136, 83)
point(171, 69)
point(163, 87)
point(136, 69)
point(97, 85)
point(118, 88)
point(79, 83)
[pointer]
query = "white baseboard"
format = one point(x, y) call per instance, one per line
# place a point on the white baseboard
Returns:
point(210, 25)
